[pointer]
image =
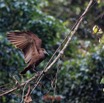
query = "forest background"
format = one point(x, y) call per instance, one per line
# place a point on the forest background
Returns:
point(77, 77)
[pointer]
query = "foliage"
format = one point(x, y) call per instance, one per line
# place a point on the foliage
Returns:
point(79, 71)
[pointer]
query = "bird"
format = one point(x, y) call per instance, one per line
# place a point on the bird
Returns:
point(30, 45)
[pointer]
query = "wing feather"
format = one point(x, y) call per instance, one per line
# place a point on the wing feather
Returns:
point(28, 53)
point(37, 40)
point(28, 43)
point(20, 40)
point(32, 54)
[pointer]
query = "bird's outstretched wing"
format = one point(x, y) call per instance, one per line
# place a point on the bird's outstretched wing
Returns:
point(38, 41)
point(27, 42)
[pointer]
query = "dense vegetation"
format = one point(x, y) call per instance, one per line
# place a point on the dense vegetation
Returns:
point(79, 71)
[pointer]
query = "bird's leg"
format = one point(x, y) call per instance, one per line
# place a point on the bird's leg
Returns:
point(33, 68)
point(37, 72)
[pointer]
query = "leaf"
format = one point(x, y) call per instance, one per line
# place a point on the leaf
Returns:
point(98, 1)
point(102, 81)
point(97, 30)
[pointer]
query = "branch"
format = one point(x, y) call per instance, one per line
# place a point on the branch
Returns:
point(66, 44)
point(51, 63)
point(19, 86)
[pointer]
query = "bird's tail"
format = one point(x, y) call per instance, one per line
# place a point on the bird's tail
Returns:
point(25, 70)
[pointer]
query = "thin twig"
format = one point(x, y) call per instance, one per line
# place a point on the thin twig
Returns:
point(72, 33)
point(56, 78)
point(64, 41)
point(23, 93)
point(66, 44)
point(19, 86)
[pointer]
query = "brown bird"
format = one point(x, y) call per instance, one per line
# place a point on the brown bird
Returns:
point(30, 45)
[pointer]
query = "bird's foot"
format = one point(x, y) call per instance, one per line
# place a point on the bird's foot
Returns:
point(33, 69)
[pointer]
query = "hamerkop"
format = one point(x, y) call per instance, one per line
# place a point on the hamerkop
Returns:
point(30, 45)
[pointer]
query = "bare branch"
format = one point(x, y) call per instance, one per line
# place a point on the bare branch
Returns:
point(66, 44)
point(19, 86)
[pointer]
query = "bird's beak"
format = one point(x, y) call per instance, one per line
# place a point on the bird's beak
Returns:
point(45, 52)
